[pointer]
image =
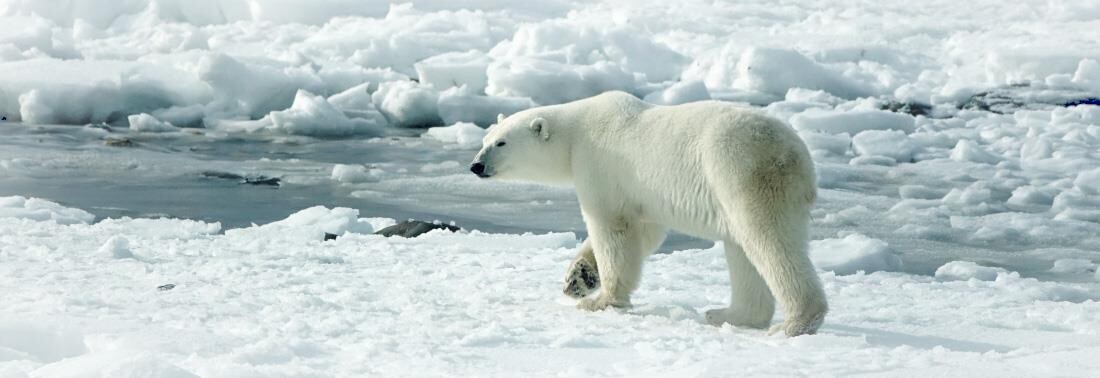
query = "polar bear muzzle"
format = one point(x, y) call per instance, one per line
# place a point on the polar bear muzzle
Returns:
point(479, 169)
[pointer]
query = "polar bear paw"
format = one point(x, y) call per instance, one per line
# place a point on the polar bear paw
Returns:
point(798, 327)
point(581, 280)
point(601, 302)
point(722, 316)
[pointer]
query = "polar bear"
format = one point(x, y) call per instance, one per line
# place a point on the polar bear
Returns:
point(710, 169)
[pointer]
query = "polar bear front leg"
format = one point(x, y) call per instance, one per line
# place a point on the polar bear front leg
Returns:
point(583, 276)
point(619, 247)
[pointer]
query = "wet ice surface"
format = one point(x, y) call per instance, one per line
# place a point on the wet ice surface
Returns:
point(951, 199)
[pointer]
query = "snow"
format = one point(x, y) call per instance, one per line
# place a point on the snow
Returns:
point(461, 104)
point(117, 247)
point(775, 71)
point(310, 115)
point(408, 104)
point(20, 207)
point(955, 147)
point(851, 121)
point(680, 93)
point(261, 301)
point(455, 69)
point(966, 270)
point(308, 224)
point(853, 253)
point(967, 150)
point(1088, 181)
point(147, 123)
point(463, 134)
point(893, 144)
point(1073, 266)
point(353, 173)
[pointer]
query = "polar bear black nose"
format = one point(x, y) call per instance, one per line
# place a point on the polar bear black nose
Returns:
point(477, 168)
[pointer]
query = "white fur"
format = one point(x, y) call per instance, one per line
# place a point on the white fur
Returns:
point(710, 169)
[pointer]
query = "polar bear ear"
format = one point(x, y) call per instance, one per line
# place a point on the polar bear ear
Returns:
point(540, 127)
point(500, 118)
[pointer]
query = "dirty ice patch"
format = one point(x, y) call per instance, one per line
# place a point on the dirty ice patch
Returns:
point(853, 253)
point(42, 210)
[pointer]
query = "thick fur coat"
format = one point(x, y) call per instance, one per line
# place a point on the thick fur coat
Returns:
point(710, 169)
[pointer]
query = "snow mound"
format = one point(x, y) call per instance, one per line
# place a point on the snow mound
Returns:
point(966, 150)
point(1072, 266)
point(1088, 181)
point(465, 135)
point(455, 69)
point(158, 228)
point(775, 71)
point(147, 123)
point(41, 210)
point(680, 93)
point(461, 104)
point(549, 82)
point(310, 115)
point(853, 253)
point(851, 122)
point(893, 144)
point(827, 144)
point(355, 173)
point(116, 247)
point(356, 102)
point(310, 224)
point(38, 342)
point(579, 44)
point(408, 104)
point(966, 270)
point(253, 88)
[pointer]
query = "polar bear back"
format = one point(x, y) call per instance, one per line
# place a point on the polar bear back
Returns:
point(678, 162)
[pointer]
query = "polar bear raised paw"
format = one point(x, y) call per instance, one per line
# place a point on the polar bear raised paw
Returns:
point(582, 279)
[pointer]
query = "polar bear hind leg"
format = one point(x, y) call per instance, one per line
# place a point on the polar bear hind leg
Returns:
point(751, 302)
point(773, 231)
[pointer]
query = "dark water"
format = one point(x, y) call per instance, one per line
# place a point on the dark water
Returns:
point(169, 176)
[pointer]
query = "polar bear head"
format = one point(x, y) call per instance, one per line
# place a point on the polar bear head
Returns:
point(524, 146)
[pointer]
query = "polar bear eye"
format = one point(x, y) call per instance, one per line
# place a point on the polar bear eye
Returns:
point(501, 143)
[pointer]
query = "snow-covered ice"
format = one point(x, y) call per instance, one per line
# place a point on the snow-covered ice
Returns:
point(276, 300)
point(956, 143)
